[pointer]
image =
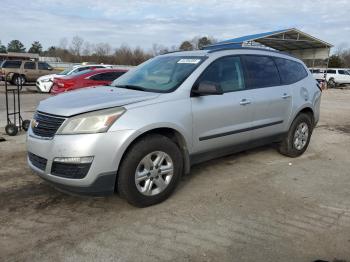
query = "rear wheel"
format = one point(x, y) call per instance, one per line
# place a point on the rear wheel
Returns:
point(150, 171)
point(297, 140)
point(331, 83)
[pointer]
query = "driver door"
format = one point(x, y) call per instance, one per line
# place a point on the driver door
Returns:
point(221, 121)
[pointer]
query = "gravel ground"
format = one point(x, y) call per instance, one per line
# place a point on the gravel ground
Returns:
point(253, 206)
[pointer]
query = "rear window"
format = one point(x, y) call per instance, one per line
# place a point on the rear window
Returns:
point(262, 71)
point(109, 76)
point(331, 71)
point(315, 71)
point(11, 64)
point(291, 71)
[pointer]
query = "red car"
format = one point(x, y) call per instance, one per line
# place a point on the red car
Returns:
point(86, 78)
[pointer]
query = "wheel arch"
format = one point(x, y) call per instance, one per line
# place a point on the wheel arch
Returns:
point(306, 110)
point(172, 133)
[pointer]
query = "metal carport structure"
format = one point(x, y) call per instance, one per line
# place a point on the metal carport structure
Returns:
point(313, 51)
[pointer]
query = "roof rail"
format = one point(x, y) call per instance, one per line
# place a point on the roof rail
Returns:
point(246, 48)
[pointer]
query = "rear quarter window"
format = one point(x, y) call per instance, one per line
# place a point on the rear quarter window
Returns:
point(290, 71)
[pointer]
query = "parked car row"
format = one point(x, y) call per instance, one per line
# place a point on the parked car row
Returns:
point(333, 76)
point(44, 83)
point(22, 71)
point(53, 81)
point(86, 78)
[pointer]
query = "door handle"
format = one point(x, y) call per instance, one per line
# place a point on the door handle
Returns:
point(244, 102)
point(285, 96)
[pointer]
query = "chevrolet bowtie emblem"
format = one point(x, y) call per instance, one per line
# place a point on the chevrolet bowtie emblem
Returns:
point(35, 123)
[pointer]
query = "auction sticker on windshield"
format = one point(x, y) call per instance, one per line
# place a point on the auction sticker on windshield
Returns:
point(188, 61)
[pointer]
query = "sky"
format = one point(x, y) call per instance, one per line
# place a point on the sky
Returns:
point(168, 23)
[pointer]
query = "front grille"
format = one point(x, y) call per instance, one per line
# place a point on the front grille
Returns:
point(46, 125)
point(74, 171)
point(37, 161)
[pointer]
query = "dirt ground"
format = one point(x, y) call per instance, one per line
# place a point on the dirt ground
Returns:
point(252, 206)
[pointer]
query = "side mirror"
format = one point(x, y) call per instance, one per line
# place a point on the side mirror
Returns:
point(207, 88)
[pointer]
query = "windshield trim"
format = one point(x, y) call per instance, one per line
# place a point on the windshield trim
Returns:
point(203, 58)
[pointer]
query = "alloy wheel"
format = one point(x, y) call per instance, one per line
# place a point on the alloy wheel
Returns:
point(301, 136)
point(154, 173)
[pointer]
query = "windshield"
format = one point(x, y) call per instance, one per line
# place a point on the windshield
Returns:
point(161, 74)
point(80, 73)
point(65, 72)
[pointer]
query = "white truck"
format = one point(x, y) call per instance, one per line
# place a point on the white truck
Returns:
point(333, 76)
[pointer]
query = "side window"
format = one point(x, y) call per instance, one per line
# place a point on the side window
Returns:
point(331, 71)
point(227, 72)
point(291, 71)
point(12, 64)
point(262, 71)
point(44, 66)
point(97, 77)
point(343, 72)
point(94, 67)
point(110, 76)
point(29, 65)
point(82, 68)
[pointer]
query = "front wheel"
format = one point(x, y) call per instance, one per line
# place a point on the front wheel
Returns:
point(298, 137)
point(150, 171)
point(18, 80)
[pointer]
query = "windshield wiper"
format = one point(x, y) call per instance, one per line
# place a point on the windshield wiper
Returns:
point(132, 87)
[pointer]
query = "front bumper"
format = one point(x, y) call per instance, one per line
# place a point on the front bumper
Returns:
point(105, 148)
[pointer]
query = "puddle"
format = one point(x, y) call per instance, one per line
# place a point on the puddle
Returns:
point(341, 128)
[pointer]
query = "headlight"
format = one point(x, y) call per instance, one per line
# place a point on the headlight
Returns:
point(94, 122)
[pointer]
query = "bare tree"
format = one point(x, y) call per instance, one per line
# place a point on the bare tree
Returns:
point(63, 43)
point(76, 45)
point(87, 49)
point(102, 49)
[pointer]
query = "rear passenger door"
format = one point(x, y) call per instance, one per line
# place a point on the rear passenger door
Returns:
point(221, 121)
point(271, 100)
point(29, 70)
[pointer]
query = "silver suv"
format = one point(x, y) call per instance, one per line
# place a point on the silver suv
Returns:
point(144, 132)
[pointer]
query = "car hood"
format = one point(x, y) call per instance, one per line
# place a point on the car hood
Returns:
point(45, 77)
point(91, 99)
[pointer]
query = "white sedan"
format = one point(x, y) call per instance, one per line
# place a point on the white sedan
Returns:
point(44, 83)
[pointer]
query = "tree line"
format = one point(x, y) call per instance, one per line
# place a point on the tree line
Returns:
point(78, 50)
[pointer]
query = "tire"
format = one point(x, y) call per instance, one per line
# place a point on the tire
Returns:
point(25, 124)
point(289, 145)
point(331, 83)
point(18, 80)
point(138, 163)
point(11, 129)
